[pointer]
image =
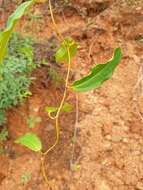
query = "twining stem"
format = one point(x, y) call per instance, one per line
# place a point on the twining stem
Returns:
point(61, 105)
point(56, 118)
point(59, 35)
point(56, 121)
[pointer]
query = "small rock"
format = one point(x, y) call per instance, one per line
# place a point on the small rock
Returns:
point(125, 140)
point(108, 137)
point(36, 109)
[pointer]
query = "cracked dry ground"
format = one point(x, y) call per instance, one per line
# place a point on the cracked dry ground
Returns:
point(110, 129)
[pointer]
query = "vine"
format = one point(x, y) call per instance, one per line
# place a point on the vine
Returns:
point(65, 53)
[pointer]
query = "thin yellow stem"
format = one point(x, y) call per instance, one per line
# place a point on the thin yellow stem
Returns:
point(54, 23)
point(62, 101)
point(51, 117)
point(43, 169)
point(61, 105)
point(57, 122)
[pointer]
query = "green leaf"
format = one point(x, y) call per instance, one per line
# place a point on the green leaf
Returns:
point(99, 74)
point(31, 141)
point(11, 23)
point(62, 52)
point(66, 108)
point(51, 109)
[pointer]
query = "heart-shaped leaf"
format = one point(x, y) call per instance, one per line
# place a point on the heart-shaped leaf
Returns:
point(62, 52)
point(31, 141)
point(66, 108)
point(99, 74)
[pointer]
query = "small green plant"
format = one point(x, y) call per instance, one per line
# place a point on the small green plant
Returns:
point(26, 177)
point(3, 134)
point(2, 117)
point(3, 137)
point(17, 68)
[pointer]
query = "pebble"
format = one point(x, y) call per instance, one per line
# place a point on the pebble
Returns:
point(108, 137)
point(125, 140)
point(36, 109)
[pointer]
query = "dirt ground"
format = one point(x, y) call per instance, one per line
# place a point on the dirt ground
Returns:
point(110, 129)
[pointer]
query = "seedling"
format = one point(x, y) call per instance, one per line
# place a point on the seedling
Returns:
point(26, 177)
point(17, 67)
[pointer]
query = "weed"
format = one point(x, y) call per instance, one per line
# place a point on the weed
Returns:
point(26, 177)
point(18, 65)
point(2, 117)
point(3, 137)
point(4, 134)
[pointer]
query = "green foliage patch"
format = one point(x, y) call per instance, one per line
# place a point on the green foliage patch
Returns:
point(15, 72)
point(17, 67)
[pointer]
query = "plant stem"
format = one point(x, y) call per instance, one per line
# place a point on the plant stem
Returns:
point(60, 37)
point(62, 101)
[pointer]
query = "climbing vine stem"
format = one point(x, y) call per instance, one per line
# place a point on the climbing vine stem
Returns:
point(56, 118)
